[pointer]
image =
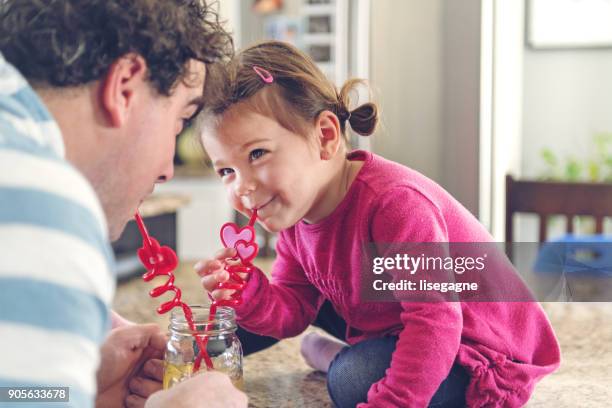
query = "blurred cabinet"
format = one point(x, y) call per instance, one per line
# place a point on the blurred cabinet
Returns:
point(199, 222)
point(318, 27)
point(159, 212)
point(326, 36)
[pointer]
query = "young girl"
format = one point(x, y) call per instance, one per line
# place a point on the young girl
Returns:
point(276, 133)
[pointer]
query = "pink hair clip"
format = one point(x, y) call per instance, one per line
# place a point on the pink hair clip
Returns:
point(265, 75)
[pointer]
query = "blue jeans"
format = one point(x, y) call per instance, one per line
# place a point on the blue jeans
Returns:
point(357, 367)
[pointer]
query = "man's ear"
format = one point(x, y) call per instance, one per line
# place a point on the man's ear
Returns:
point(124, 77)
point(329, 135)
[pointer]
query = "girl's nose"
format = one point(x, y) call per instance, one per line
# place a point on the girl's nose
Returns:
point(245, 185)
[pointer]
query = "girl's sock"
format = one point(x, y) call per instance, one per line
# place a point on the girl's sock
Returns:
point(319, 351)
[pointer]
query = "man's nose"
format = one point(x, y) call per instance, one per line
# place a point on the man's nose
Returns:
point(167, 174)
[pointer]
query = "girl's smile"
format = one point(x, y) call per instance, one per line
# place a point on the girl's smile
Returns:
point(267, 167)
point(265, 205)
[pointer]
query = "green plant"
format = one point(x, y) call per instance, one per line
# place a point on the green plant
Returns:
point(595, 168)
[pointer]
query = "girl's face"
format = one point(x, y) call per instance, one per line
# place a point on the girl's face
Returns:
point(266, 167)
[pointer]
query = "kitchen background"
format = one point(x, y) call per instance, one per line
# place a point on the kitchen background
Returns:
point(467, 96)
point(470, 91)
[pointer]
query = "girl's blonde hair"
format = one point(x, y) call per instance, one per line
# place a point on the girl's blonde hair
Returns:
point(299, 90)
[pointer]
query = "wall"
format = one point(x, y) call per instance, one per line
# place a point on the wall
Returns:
point(567, 98)
point(506, 103)
point(461, 101)
point(229, 15)
point(425, 71)
point(406, 79)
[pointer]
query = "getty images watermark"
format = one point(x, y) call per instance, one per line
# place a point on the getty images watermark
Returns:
point(411, 264)
point(486, 272)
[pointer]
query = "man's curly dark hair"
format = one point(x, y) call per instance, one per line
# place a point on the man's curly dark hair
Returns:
point(64, 43)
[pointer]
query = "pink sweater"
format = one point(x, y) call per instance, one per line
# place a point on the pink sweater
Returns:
point(506, 347)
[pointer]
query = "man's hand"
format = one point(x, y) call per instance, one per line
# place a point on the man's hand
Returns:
point(123, 358)
point(146, 383)
point(210, 389)
point(119, 321)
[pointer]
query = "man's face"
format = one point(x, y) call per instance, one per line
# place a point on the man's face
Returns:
point(143, 151)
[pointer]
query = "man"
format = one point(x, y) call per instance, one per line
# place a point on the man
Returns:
point(92, 96)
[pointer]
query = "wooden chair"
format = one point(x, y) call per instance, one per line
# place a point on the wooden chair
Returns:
point(547, 198)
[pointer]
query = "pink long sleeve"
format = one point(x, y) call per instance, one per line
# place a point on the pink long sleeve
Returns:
point(281, 308)
point(431, 334)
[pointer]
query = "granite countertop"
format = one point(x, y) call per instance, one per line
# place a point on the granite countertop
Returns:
point(157, 204)
point(276, 377)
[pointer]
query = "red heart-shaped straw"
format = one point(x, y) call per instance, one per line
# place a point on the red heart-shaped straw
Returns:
point(162, 260)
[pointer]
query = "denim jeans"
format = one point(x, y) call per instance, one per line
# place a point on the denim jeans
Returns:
point(357, 367)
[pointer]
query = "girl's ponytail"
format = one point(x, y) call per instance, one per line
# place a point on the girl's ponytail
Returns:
point(364, 118)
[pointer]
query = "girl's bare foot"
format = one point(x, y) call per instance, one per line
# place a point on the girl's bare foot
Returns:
point(319, 351)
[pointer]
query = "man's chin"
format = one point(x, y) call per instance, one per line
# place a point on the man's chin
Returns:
point(114, 233)
point(115, 229)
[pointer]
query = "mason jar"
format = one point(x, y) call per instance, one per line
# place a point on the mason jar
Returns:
point(223, 346)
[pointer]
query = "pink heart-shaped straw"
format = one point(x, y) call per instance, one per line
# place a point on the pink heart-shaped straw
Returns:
point(247, 251)
point(231, 234)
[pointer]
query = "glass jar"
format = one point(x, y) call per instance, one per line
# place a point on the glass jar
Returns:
point(223, 347)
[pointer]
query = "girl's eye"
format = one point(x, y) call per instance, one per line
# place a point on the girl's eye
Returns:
point(225, 172)
point(256, 154)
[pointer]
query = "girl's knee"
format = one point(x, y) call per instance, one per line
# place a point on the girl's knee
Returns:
point(345, 382)
point(353, 371)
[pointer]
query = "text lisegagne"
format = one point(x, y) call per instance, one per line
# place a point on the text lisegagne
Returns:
point(424, 285)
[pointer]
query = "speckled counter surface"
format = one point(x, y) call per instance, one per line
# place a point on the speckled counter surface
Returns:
point(278, 377)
